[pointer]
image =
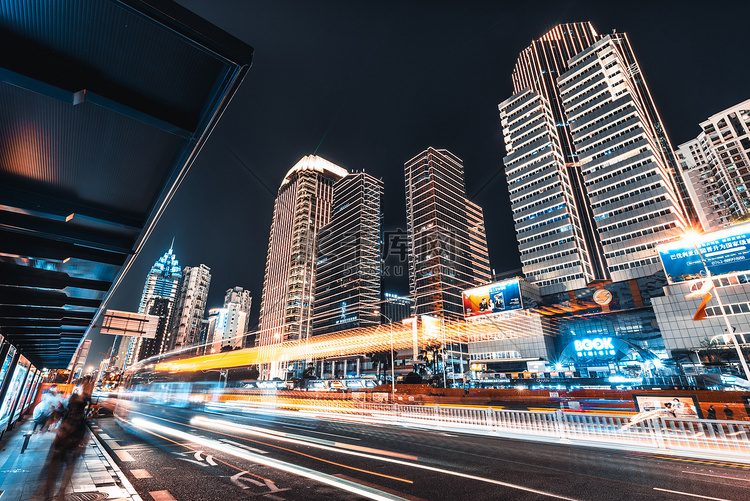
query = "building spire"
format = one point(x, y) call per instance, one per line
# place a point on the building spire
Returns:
point(171, 246)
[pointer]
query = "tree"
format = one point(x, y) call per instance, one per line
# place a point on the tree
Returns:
point(381, 360)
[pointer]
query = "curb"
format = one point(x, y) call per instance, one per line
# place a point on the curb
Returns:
point(116, 472)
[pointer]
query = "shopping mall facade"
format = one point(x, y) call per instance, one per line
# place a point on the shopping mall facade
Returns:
point(641, 327)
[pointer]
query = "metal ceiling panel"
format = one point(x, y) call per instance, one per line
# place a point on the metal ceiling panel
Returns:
point(104, 105)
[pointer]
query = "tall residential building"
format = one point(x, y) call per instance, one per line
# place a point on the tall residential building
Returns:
point(575, 183)
point(162, 282)
point(239, 301)
point(303, 206)
point(717, 165)
point(227, 326)
point(447, 247)
point(191, 306)
point(627, 175)
point(349, 264)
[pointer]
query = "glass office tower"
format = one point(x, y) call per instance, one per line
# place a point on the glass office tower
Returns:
point(447, 246)
point(349, 265)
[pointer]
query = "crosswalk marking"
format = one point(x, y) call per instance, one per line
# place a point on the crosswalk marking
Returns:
point(124, 455)
point(112, 444)
point(140, 474)
point(162, 496)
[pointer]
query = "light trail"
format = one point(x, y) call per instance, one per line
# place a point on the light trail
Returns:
point(323, 478)
point(716, 476)
point(691, 494)
point(281, 436)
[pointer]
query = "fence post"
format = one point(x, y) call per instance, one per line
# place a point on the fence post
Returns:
point(560, 419)
point(658, 437)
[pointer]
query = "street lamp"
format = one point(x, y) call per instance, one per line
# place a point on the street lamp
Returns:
point(393, 365)
point(692, 238)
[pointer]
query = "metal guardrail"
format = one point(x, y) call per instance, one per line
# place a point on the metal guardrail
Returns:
point(657, 432)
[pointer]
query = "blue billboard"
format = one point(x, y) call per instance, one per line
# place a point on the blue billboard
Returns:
point(725, 251)
point(493, 298)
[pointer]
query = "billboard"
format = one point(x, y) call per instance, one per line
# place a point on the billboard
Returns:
point(725, 251)
point(125, 323)
point(492, 298)
point(681, 405)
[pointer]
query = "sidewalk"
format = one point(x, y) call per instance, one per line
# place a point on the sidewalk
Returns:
point(96, 475)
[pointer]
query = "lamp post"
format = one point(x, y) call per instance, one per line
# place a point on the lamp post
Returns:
point(730, 329)
point(393, 365)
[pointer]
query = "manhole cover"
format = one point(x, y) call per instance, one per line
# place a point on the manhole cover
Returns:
point(86, 496)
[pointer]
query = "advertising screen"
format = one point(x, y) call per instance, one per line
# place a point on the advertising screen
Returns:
point(492, 298)
point(6, 364)
point(725, 251)
point(21, 405)
point(681, 405)
point(14, 389)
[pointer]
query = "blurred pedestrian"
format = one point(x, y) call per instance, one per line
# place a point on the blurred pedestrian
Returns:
point(711, 413)
point(43, 410)
point(729, 413)
point(70, 441)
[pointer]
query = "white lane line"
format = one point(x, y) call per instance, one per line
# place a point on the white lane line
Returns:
point(140, 474)
point(717, 476)
point(321, 432)
point(124, 455)
point(162, 496)
point(691, 495)
point(237, 444)
point(252, 430)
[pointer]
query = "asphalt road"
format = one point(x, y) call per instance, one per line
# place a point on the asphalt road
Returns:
point(186, 455)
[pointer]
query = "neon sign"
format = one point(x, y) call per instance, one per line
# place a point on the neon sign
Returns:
point(595, 347)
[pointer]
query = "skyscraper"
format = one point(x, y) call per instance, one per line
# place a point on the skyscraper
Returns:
point(239, 301)
point(303, 206)
point(447, 247)
point(163, 283)
point(228, 325)
point(349, 263)
point(591, 174)
point(717, 166)
point(191, 306)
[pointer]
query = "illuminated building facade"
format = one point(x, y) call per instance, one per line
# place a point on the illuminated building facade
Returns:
point(349, 264)
point(447, 247)
point(163, 281)
point(717, 166)
point(593, 181)
point(396, 308)
point(191, 306)
point(227, 325)
point(302, 208)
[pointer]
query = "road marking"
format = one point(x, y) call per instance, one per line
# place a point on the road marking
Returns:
point(320, 432)
point(252, 430)
point(162, 496)
point(253, 449)
point(379, 487)
point(112, 444)
point(692, 495)
point(717, 476)
point(209, 458)
point(376, 451)
point(104, 436)
point(140, 474)
point(124, 455)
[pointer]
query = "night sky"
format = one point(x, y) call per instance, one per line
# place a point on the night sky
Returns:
point(369, 85)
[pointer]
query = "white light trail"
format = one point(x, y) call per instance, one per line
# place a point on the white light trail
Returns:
point(360, 490)
point(319, 444)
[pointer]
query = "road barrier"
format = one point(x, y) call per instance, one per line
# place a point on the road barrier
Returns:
point(651, 431)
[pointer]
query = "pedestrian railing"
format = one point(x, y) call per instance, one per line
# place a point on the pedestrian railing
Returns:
point(657, 431)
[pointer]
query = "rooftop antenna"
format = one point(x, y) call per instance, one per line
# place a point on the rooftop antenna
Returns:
point(171, 246)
